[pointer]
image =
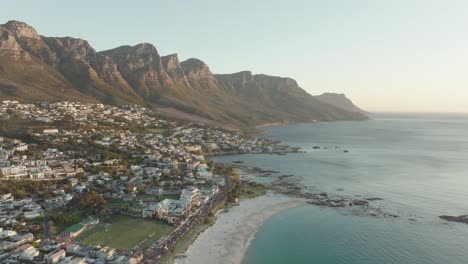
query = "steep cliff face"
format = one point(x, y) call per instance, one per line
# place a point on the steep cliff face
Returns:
point(76, 63)
point(34, 67)
point(199, 75)
point(272, 97)
point(9, 46)
point(22, 30)
point(92, 73)
point(236, 82)
point(26, 71)
point(173, 68)
point(142, 67)
point(30, 41)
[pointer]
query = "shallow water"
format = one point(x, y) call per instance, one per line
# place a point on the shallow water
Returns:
point(418, 165)
point(312, 235)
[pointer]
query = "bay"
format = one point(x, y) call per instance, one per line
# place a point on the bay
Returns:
point(418, 165)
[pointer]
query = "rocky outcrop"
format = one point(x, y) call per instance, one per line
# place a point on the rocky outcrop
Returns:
point(10, 47)
point(26, 67)
point(199, 75)
point(22, 30)
point(236, 82)
point(459, 219)
point(142, 67)
point(91, 72)
point(29, 41)
point(174, 69)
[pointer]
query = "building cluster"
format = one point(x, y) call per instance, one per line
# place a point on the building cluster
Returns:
point(120, 153)
point(95, 254)
point(18, 161)
point(174, 211)
point(81, 113)
point(17, 248)
point(22, 248)
point(13, 209)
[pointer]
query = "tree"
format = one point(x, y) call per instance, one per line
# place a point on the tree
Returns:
point(92, 202)
point(129, 189)
point(66, 219)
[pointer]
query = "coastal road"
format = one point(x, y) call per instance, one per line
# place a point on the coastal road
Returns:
point(154, 255)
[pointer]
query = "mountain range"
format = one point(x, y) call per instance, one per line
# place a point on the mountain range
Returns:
point(38, 68)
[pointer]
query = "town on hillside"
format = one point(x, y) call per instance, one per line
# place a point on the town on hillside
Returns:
point(92, 183)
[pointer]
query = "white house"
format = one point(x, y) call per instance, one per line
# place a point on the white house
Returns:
point(55, 257)
point(50, 131)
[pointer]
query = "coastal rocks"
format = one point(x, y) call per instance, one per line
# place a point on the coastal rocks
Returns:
point(336, 149)
point(287, 188)
point(458, 219)
point(292, 186)
point(259, 172)
point(374, 199)
point(359, 203)
point(356, 205)
point(283, 149)
point(284, 176)
point(329, 202)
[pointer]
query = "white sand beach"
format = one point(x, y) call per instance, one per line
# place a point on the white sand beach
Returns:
point(228, 239)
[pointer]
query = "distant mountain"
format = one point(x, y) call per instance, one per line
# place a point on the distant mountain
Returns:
point(274, 99)
point(340, 101)
point(37, 68)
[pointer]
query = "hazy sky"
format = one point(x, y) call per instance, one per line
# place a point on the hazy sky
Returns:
point(386, 55)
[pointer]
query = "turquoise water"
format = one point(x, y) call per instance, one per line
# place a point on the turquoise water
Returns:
point(417, 164)
point(313, 235)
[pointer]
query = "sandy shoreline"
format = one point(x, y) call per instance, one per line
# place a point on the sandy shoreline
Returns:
point(227, 241)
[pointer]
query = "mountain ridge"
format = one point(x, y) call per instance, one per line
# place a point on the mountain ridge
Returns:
point(341, 101)
point(35, 67)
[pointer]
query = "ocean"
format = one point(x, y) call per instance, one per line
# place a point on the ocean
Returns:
point(418, 165)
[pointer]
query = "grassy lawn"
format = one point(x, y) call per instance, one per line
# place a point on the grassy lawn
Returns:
point(170, 196)
point(156, 130)
point(122, 204)
point(148, 198)
point(124, 232)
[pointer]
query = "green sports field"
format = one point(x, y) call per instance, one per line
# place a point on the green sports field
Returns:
point(124, 232)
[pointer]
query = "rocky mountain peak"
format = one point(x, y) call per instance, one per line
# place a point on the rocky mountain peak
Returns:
point(71, 48)
point(199, 75)
point(144, 49)
point(193, 64)
point(174, 69)
point(21, 29)
point(9, 45)
point(171, 61)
